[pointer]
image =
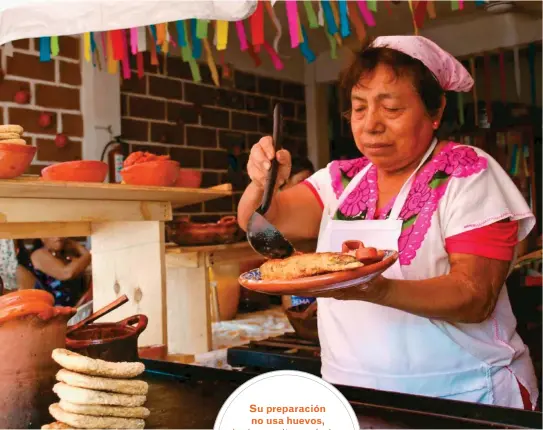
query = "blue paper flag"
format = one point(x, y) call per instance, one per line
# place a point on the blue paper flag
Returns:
point(329, 17)
point(181, 36)
point(343, 19)
point(196, 43)
point(45, 49)
point(304, 47)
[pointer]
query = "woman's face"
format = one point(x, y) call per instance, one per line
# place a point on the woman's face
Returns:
point(389, 121)
point(55, 244)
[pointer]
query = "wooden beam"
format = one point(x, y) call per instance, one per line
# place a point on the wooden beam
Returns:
point(14, 210)
point(32, 230)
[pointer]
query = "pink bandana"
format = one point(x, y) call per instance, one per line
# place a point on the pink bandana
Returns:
point(450, 73)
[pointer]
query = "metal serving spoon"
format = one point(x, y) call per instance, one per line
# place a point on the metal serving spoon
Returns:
point(261, 234)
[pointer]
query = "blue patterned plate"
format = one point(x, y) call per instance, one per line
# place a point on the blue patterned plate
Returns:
point(320, 283)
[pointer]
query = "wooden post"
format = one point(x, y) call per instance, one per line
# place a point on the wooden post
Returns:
point(128, 258)
point(189, 318)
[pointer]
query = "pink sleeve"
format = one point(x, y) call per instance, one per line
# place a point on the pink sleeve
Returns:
point(497, 241)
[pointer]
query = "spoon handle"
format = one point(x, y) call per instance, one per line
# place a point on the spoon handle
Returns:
point(272, 174)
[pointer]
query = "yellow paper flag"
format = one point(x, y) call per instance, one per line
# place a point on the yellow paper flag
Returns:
point(222, 35)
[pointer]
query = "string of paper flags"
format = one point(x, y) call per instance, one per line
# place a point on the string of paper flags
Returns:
point(337, 18)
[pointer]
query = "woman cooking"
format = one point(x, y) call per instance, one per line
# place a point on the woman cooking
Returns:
point(438, 322)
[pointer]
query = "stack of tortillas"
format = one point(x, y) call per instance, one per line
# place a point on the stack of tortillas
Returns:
point(97, 394)
point(11, 134)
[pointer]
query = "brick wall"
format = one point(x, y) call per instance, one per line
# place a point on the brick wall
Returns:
point(200, 124)
point(54, 88)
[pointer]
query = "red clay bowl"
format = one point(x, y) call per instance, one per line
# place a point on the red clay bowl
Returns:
point(189, 178)
point(161, 173)
point(76, 171)
point(15, 159)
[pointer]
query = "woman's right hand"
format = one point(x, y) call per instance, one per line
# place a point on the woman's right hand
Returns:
point(260, 163)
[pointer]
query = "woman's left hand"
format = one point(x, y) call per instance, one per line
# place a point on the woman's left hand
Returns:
point(373, 291)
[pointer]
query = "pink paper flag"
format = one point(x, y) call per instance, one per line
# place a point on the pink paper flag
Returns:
point(242, 36)
point(125, 60)
point(292, 15)
point(134, 40)
point(277, 63)
point(366, 13)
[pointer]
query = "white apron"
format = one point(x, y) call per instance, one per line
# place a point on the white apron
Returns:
point(373, 346)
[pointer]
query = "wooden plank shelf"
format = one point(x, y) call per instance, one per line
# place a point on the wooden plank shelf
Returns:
point(126, 227)
point(38, 189)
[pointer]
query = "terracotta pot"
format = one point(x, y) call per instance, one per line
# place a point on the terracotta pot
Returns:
point(15, 159)
point(160, 173)
point(303, 319)
point(186, 233)
point(109, 341)
point(189, 178)
point(30, 329)
point(78, 171)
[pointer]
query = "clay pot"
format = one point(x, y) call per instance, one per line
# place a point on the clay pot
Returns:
point(159, 173)
point(30, 329)
point(15, 159)
point(186, 233)
point(303, 319)
point(78, 171)
point(109, 341)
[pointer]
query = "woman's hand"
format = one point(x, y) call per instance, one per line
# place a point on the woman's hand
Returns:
point(262, 153)
point(374, 291)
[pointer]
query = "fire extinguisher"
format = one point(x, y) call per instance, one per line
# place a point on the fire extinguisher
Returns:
point(115, 158)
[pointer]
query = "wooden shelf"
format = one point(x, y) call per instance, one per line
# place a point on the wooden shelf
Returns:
point(126, 227)
point(37, 189)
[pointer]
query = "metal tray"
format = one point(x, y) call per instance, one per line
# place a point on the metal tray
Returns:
point(190, 397)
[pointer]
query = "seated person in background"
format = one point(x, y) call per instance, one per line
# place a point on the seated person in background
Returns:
point(59, 265)
point(302, 168)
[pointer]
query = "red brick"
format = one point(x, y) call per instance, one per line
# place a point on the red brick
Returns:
point(210, 179)
point(158, 150)
point(124, 105)
point(34, 169)
point(72, 125)
point(69, 47)
point(200, 94)
point(230, 139)
point(30, 66)
point(178, 68)
point(293, 91)
point(216, 117)
point(165, 88)
point(182, 113)
point(147, 108)
point(135, 130)
point(295, 128)
point(241, 121)
point(245, 81)
point(288, 108)
point(167, 133)
point(70, 73)
point(300, 112)
point(9, 88)
point(21, 44)
point(187, 157)
point(224, 204)
point(135, 84)
point(48, 151)
point(57, 97)
point(203, 137)
point(215, 160)
point(269, 86)
point(257, 104)
point(195, 209)
point(28, 119)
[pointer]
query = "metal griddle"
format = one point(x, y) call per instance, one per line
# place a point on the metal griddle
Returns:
point(190, 397)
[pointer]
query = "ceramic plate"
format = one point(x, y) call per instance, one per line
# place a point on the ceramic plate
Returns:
point(320, 283)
